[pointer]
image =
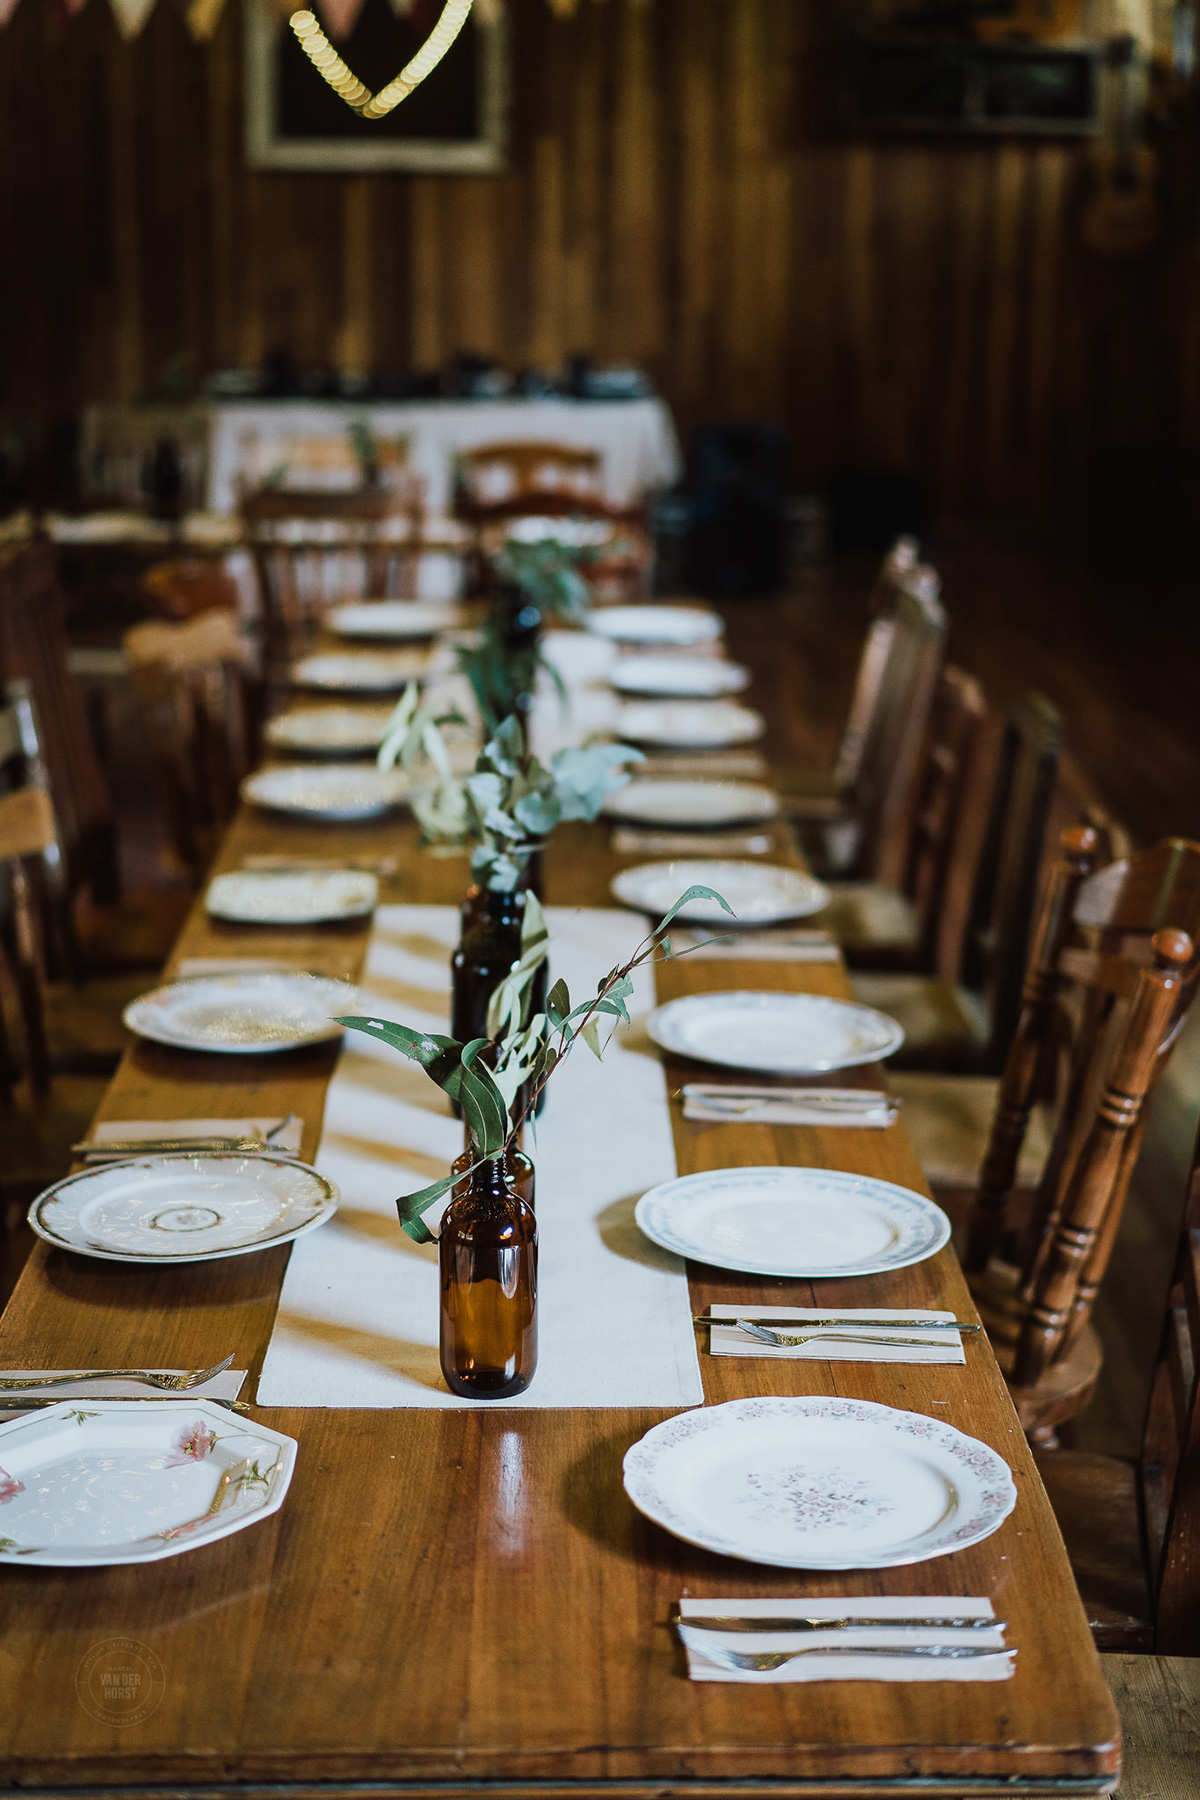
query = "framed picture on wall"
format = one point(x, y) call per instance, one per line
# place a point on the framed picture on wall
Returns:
point(455, 123)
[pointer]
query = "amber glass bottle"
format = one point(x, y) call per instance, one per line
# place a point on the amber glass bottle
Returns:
point(487, 952)
point(517, 1166)
point(487, 1263)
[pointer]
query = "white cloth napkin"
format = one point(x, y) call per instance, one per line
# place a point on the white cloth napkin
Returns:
point(710, 1104)
point(815, 1667)
point(717, 763)
point(633, 840)
point(225, 1386)
point(943, 1346)
point(192, 966)
point(287, 1137)
point(757, 946)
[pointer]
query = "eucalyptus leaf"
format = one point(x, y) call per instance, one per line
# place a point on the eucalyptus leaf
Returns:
point(411, 1206)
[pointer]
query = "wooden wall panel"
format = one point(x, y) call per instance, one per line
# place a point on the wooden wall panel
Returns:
point(679, 195)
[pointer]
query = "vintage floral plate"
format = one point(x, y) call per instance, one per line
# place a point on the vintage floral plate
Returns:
point(342, 792)
point(301, 897)
point(92, 1482)
point(781, 1034)
point(243, 1014)
point(793, 1223)
point(393, 619)
point(815, 1483)
point(329, 730)
point(680, 625)
point(678, 677)
point(692, 805)
point(193, 1206)
point(759, 893)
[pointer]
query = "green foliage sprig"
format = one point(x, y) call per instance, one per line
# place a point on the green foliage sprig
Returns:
point(524, 1058)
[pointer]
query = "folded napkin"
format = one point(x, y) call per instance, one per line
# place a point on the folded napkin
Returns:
point(225, 1386)
point(858, 1109)
point(813, 1666)
point(759, 946)
point(286, 1134)
point(633, 840)
point(827, 1346)
point(370, 865)
point(191, 966)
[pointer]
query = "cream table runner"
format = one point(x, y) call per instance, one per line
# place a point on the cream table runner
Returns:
point(357, 1323)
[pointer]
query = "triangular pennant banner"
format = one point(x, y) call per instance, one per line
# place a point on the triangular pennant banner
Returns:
point(131, 15)
point(7, 9)
point(340, 16)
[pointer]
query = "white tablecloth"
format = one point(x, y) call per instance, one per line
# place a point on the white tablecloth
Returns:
point(357, 1323)
point(637, 438)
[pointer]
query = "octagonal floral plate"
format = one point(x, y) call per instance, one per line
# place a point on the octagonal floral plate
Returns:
point(809, 1482)
point(88, 1483)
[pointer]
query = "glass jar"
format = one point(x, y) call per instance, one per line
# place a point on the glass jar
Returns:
point(487, 1266)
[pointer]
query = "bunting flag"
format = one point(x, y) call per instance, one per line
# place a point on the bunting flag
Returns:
point(131, 15)
point(203, 16)
point(339, 16)
point(7, 9)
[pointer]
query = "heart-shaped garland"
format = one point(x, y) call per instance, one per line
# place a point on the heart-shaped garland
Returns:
point(345, 82)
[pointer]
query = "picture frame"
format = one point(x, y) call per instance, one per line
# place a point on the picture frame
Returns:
point(291, 125)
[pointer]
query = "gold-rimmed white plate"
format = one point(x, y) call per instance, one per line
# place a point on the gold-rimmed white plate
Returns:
point(341, 793)
point(247, 1013)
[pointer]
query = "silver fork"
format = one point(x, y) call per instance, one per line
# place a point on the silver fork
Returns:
point(789, 1340)
point(174, 1384)
point(763, 1661)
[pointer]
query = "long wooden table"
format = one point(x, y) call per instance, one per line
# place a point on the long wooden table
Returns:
point(457, 1599)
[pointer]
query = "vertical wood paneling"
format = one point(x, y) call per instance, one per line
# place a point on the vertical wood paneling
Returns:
point(679, 194)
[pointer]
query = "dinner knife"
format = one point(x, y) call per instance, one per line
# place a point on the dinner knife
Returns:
point(939, 1621)
point(841, 1319)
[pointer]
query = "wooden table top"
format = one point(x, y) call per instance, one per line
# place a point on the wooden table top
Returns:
point(458, 1597)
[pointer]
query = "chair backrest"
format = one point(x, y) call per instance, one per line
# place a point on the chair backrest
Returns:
point(33, 648)
point(312, 550)
point(942, 786)
point(197, 712)
point(1109, 983)
point(899, 563)
point(515, 472)
point(883, 790)
point(27, 829)
point(1005, 890)
point(1170, 1466)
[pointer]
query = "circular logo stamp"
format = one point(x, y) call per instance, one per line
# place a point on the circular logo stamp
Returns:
point(120, 1681)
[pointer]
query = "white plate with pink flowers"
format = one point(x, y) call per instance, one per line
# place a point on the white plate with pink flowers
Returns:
point(87, 1483)
point(809, 1482)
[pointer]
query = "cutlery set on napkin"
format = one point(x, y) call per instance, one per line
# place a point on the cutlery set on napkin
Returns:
point(855, 1334)
point(118, 1138)
point(636, 840)
point(757, 946)
point(917, 1638)
point(23, 1390)
point(862, 1109)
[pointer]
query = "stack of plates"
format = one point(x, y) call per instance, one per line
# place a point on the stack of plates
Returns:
point(759, 893)
point(691, 725)
point(680, 625)
point(780, 1034)
point(351, 791)
point(243, 1014)
point(360, 671)
point(679, 677)
point(330, 730)
point(396, 620)
point(302, 897)
point(692, 805)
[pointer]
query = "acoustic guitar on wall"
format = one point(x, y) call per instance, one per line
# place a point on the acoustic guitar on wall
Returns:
point(1123, 216)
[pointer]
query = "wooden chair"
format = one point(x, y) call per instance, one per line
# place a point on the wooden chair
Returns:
point(524, 473)
point(1132, 1529)
point(881, 926)
point(314, 550)
point(1098, 1021)
point(199, 716)
point(33, 648)
point(898, 565)
point(39, 1119)
point(967, 1024)
point(854, 821)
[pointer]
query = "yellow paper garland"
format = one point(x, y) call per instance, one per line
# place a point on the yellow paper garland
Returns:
point(345, 82)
